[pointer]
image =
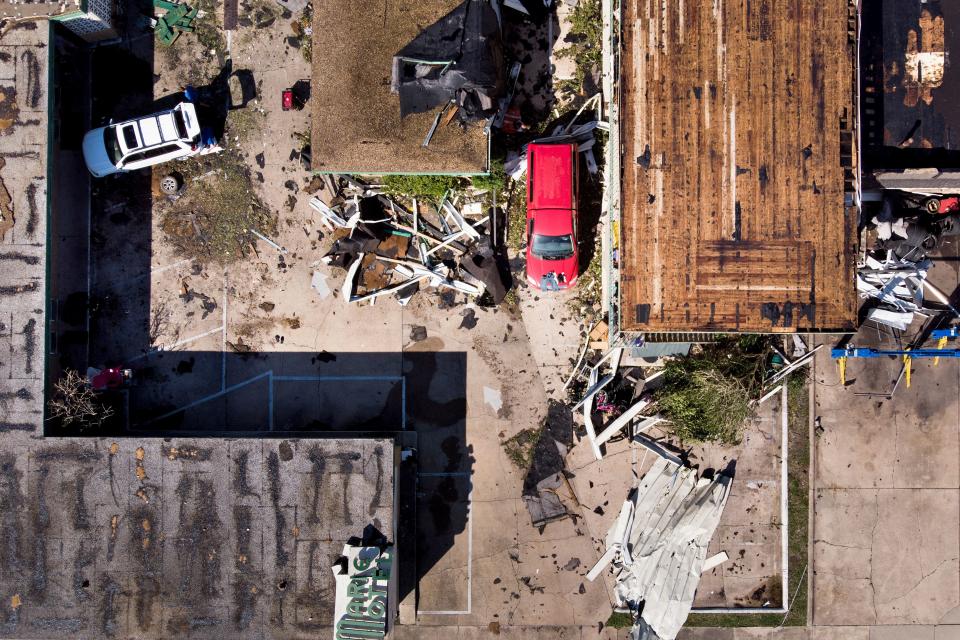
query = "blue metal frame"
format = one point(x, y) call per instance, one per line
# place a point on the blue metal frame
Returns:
point(866, 352)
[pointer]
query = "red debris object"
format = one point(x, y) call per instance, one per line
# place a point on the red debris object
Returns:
point(287, 99)
point(512, 121)
point(110, 378)
point(942, 205)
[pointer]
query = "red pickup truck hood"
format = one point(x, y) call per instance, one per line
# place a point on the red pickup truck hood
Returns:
point(552, 223)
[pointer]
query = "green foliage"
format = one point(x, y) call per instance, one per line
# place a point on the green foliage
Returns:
point(586, 35)
point(706, 396)
point(207, 29)
point(619, 620)
point(708, 407)
point(211, 221)
point(743, 358)
point(519, 448)
point(496, 180)
point(517, 217)
point(420, 186)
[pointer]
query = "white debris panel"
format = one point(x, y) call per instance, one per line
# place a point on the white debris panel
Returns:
point(897, 285)
point(386, 249)
point(658, 546)
point(632, 414)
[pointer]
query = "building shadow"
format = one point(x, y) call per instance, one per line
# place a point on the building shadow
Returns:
point(528, 41)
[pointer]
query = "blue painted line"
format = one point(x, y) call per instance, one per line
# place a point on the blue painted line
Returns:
point(214, 396)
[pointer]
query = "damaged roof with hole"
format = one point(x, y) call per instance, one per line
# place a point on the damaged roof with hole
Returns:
point(909, 88)
point(153, 538)
point(356, 119)
point(23, 225)
point(737, 129)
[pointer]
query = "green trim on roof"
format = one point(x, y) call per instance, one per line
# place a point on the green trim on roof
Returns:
point(73, 15)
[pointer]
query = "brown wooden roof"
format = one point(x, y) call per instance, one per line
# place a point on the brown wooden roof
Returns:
point(736, 129)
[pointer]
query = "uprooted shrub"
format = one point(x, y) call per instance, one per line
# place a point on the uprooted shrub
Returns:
point(708, 407)
point(74, 404)
point(706, 396)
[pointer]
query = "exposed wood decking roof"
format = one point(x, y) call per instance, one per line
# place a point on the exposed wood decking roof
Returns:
point(736, 126)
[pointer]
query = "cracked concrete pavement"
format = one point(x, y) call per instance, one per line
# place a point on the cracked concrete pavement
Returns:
point(886, 539)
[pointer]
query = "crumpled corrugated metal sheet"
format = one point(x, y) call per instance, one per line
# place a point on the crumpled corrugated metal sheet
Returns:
point(661, 540)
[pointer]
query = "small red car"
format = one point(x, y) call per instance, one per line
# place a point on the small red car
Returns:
point(552, 187)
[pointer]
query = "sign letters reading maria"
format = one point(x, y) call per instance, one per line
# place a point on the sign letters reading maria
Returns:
point(361, 611)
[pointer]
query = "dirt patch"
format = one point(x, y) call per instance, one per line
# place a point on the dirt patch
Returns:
point(214, 219)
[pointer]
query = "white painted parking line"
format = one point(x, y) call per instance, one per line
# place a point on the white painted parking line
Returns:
point(179, 343)
point(212, 396)
point(784, 520)
point(272, 380)
point(223, 341)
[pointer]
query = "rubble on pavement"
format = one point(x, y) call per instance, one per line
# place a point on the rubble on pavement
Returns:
point(658, 545)
point(892, 278)
point(389, 249)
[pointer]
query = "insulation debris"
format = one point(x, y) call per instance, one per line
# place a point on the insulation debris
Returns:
point(658, 546)
point(455, 60)
point(388, 249)
point(895, 286)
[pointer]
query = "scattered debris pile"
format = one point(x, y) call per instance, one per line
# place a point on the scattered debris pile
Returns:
point(911, 226)
point(388, 249)
point(704, 396)
point(893, 287)
point(582, 133)
point(892, 278)
point(658, 545)
point(605, 396)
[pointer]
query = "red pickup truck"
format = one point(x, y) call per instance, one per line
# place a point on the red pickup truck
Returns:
point(552, 187)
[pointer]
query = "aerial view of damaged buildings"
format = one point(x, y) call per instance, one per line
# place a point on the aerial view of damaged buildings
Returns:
point(551, 318)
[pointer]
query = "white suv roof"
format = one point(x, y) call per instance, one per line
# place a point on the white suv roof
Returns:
point(180, 123)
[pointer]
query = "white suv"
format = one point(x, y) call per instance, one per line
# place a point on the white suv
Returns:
point(144, 142)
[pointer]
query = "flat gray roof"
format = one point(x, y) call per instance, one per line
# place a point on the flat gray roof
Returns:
point(356, 120)
point(153, 538)
point(23, 226)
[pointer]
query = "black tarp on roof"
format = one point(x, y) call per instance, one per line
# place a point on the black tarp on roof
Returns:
point(459, 58)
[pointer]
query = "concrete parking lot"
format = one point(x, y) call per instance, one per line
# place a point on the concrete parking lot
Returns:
point(887, 494)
